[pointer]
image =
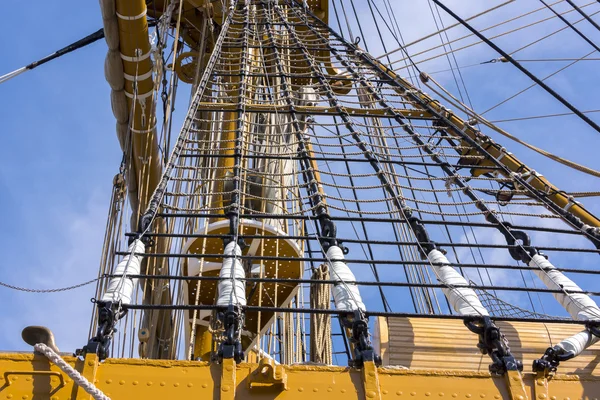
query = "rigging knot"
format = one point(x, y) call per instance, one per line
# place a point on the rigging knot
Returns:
point(493, 342)
point(449, 181)
point(553, 356)
point(328, 232)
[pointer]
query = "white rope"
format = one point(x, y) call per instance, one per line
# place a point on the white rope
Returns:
point(71, 372)
point(11, 75)
point(464, 300)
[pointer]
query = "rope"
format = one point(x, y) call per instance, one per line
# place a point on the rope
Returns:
point(320, 324)
point(525, 71)
point(554, 157)
point(534, 84)
point(71, 372)
point(542, 116)
point(442, 30)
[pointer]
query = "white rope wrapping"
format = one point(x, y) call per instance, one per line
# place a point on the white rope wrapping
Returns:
point(578, 342)
point(72, 373)
point(345, 293)
point(232, 289)
point(464, 300)
point(579, 305)
point(121, 288)
point(11, 75)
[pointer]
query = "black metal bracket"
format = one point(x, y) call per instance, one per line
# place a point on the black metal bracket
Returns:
point(109, 313)
point(232, 320)
point(594, 328)
point(427, 245)
point(233, 215)
point(553, 356)
point(148, 241)
point(358, 324)
point(551, 359)
point(522, 250)
point(329, 233)
point(493, 343)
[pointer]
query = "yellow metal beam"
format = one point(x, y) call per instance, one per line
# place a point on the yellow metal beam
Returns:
point(28, 376)
point(88, 368)
point(258, 108)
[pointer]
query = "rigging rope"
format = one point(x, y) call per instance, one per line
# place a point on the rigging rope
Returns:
point(496, 36)
point(444, 29)
point(478, 117)
point(554, 94)
point(320, 324)
point(570, 25)
point(99, 34)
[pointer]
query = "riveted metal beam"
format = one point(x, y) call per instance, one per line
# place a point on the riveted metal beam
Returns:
point(228, 382)
point(371, 381)
point(516, 387)
point(88, 368)
point(540, 389)
point(164, 379)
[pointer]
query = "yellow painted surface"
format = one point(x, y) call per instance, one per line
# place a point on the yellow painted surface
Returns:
point(261, 107)
point(161, 379)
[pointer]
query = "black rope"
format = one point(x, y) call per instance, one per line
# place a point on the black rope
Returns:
point(557, 96)
point(336, 312)
point(584, 15)
point(360, 283)
point(570, 25)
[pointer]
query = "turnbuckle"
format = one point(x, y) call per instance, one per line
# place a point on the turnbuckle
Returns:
point(358, 324)
point(493, 343)
point(231, 346)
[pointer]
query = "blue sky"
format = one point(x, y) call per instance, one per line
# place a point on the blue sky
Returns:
point(60, 150)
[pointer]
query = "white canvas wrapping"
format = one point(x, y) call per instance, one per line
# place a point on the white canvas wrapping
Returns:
point(123, 287)
point(232, 290)
point(108, 8)
point(463, 300)
point(111, 33)
point(118, 102)
point(113, 70)
point(345, 295)
point(578, 342)
point(579, 305)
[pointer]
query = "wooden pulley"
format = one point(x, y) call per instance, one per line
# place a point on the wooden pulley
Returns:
point(186, 65)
